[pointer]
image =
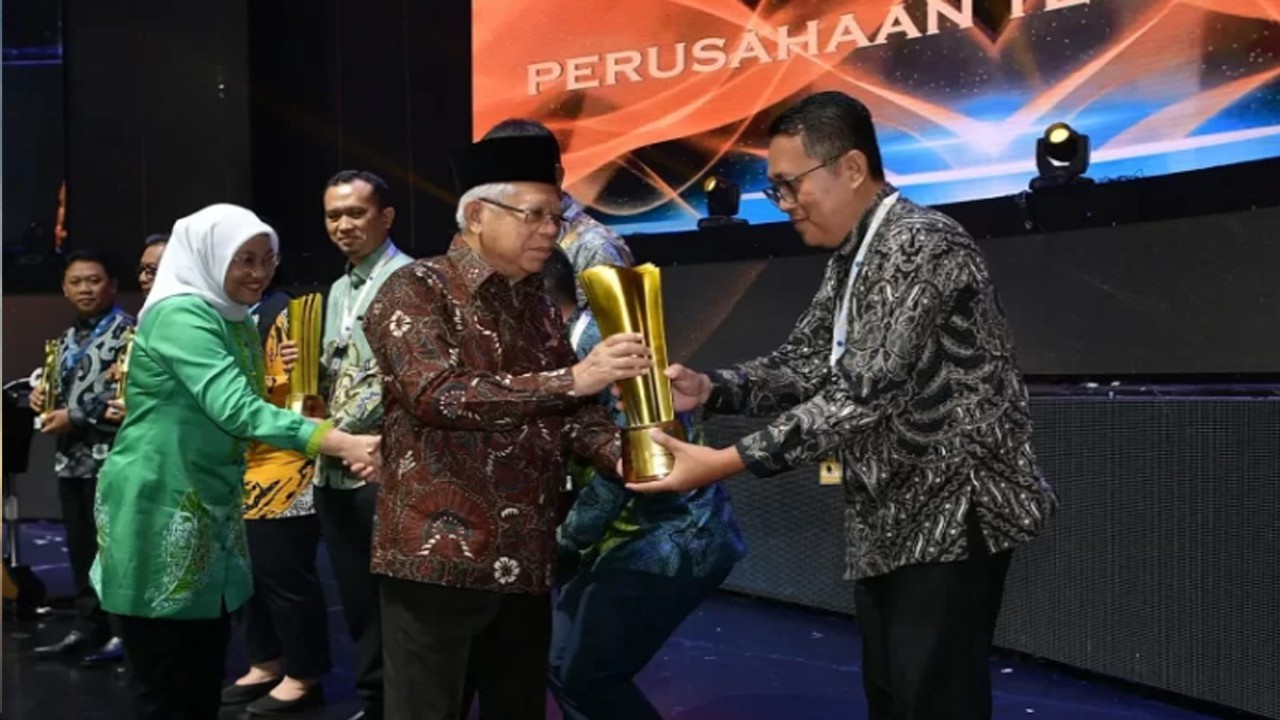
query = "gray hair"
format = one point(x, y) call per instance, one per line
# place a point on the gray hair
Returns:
point(489, 191)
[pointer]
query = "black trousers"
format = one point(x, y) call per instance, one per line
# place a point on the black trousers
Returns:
point(926, 637)
point(175, 666)
point(286, 618)
point(442, 643)
point(607, 626)
point(76, 497)
point(346, 521)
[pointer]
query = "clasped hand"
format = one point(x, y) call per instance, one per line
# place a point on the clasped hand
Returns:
point(362, 454)
point(289, 355)
point(619, 357)
point(116, 411)
point(690, 389)
point(56, 421)
point(695, 466)
point(36, 399)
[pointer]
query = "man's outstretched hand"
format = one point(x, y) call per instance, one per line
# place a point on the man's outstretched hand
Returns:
point(695, 466)
point(689, 388)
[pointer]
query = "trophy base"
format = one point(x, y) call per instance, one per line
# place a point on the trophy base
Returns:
point(308, 406)
point(644, 460)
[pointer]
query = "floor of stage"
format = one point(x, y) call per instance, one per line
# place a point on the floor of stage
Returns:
point(736, 659)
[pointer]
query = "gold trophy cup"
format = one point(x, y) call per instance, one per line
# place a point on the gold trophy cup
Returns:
point(122, 363)
point(629, 300)
point(46, 380)
point(304, 377)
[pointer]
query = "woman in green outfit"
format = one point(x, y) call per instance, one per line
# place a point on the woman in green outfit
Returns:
point(172, 561)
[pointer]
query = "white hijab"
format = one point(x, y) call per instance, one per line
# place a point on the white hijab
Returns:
point(198, 255)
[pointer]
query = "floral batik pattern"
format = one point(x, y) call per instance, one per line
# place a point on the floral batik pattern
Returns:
point(186, 556)
point(479, 420)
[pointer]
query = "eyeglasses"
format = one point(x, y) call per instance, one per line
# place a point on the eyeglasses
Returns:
point(533, 218)
point(787, 189)
point(246, 261)
point(148, 269)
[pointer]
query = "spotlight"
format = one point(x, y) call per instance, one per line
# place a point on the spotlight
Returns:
point(1062, 157)
point(723, 199)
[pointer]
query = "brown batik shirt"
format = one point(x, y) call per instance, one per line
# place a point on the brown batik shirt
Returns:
point(479, 419)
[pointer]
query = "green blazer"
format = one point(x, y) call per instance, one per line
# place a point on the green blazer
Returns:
point(169, 506)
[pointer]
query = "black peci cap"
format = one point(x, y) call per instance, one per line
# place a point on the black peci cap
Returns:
point(507, 159)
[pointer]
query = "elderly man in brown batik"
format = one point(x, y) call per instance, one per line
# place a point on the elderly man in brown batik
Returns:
point(484, 400)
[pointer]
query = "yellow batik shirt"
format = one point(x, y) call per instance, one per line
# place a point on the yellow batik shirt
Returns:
point(277, 483)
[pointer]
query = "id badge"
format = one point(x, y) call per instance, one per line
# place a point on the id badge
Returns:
point(830, 472)
point(335, 361)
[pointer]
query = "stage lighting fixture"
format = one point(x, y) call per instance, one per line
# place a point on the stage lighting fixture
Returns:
point(723, 198)
point(1062, 157)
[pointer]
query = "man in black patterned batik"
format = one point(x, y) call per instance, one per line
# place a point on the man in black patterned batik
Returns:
point(900, 380)
point(87, 355)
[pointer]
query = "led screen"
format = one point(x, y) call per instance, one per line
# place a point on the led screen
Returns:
point(651, 98)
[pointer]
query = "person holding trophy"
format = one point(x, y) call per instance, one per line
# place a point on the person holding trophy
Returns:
point(644, 562)
point(285, 622)
point(359, 213)
point(172, 560)
point(900, 381)
point(71, 401)
point(484, 400)
point(148, 265)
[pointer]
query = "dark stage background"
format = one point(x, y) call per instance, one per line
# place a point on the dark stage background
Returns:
point(1160, 567)
point(381, 85)
point(1175, 298)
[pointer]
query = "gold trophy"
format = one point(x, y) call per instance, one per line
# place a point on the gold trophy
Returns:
point(629, 300)
point(122, 363)
point(46, 380)
point(304, 376)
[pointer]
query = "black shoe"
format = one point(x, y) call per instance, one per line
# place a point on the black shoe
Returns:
point(267, 705)
point(69, 645)
point(241, 694)
point(111, 652)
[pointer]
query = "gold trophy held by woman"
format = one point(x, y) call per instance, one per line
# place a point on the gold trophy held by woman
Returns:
point(304, 377)
point(629, 300)
point(46, 381)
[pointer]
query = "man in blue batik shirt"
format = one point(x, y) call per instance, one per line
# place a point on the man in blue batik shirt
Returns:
point(645, 562)
point(88, 353)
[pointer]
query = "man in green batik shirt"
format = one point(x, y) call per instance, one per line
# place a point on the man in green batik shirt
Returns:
point(358, 214)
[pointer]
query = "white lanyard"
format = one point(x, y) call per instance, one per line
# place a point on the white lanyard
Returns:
point(840, 328)
point(579, 327)
point(353, 304)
